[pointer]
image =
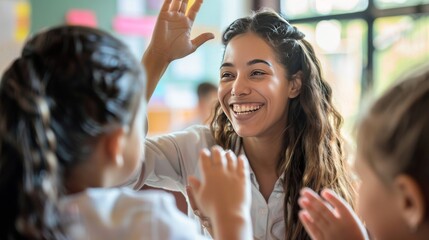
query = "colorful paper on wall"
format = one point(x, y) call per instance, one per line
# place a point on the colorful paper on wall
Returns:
point(153, 7)
point(81, 17)
point(22, 11)
point(137, 26)
point(135, 8)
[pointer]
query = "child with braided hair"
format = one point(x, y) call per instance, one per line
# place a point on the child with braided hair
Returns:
point(72, 125)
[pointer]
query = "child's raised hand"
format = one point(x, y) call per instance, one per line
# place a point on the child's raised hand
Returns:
point(205, 221)
point(224, 186)
point(223, 193)
point(171, 37)
point(330, 217)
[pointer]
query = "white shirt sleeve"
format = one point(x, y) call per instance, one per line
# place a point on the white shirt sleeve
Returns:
point(169, 159)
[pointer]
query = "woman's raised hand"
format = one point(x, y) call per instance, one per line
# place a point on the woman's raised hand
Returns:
point(171, 38)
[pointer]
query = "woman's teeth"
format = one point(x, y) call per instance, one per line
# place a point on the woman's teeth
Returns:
point(244, 109)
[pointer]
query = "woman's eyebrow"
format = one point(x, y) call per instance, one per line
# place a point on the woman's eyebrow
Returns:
point(226, 64)
point(255, 61)
point(251, 62)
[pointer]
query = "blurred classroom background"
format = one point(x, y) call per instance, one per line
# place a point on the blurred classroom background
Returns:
point(363, 44)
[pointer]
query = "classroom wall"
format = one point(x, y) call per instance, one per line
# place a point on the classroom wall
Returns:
point(172, 105)
point(15, 24)
point(52, 12)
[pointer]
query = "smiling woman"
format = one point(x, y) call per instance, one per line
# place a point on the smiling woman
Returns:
point(274, 107)
point(253, 88)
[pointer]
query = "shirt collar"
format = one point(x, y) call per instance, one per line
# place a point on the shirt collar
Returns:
point(279, 183)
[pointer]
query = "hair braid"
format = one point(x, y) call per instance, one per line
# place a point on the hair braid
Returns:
point(36, 142)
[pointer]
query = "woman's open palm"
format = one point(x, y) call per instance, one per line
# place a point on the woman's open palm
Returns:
point(172, 34)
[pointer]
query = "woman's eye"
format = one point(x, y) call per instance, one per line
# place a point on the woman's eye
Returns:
point(226, 75)
point(257, 73)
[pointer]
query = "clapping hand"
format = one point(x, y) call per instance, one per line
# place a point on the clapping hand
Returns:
point(329, 216)
point(223, 192)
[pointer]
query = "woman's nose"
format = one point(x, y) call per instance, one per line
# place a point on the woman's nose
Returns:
point(240, 87)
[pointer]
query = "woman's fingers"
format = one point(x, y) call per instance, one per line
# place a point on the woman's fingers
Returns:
point(193, 10)
point(165, 5)
point(183, 6)
point(175, 5)
point(201, 39)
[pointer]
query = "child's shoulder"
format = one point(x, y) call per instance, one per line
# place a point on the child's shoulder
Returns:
point(115, 209)
point(118, 199)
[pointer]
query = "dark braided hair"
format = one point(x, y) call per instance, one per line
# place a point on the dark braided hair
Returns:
point(69, 85)
point(312, 154)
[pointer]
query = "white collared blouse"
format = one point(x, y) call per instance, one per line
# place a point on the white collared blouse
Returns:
point(171, 158)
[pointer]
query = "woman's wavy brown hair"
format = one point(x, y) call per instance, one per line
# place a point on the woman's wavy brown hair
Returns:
point(313, 154)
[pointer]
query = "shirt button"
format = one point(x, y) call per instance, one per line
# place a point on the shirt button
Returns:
point(262, 211)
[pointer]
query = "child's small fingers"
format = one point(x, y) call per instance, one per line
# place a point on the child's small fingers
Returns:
point(205, 160)
point(305, 217)
point(310, 226)
point(344, 210)
point(317, 207)
point(243, 165)
point(231, 161)
point(313, 196)
point(217, 156)
point(194, 186)
point(340, 205)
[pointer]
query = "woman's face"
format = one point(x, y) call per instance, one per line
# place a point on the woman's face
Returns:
point(253, 89)
point(377, 205)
